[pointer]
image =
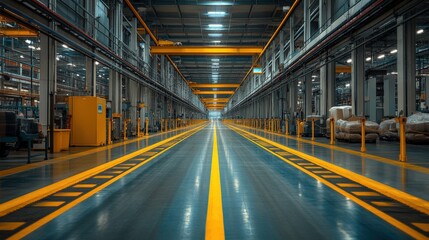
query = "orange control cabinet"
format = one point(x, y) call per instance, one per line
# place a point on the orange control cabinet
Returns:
point(88, 120)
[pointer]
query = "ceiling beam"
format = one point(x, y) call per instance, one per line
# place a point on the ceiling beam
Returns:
point(205, 50)
point(213, 92)
point(214, 85)
point(214, 100)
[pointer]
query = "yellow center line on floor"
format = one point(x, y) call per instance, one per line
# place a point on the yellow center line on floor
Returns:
point(419, 204)
point(27, 167)
point(28, 198)
point(395, 162)
point(31, 228)
point(214, 222)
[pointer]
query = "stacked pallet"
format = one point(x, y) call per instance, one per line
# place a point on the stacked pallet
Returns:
point(417, 128)
point(388, 130)
point(350, 130)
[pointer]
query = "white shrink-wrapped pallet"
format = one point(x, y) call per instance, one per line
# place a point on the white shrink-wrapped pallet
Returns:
point(388, 130)
point(417, 128)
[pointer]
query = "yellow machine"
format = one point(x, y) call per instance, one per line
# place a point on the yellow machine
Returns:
point(88, 120)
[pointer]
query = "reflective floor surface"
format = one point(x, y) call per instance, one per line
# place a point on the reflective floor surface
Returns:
point(266, 192)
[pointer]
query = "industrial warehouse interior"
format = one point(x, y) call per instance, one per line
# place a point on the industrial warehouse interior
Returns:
point(204, 119)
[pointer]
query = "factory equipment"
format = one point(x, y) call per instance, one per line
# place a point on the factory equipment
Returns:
point(16, 132)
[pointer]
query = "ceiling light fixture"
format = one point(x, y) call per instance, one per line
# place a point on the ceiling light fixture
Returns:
point(381, 56)
point(394, 51)
point(215, 59)
point(215, 25)
point(420, 31)
point(368, 59)
point(216, 41)
point(349, 60)
point(216, 14)
point(215, 34)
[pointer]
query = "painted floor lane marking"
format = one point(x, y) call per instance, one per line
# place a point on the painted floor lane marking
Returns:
point(34, 165)
point(38, 194)
point(214, 222)
point(34, 219)
point(414, 167)
point(364, 194)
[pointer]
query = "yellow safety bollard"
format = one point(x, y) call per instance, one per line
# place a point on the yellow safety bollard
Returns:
point(138, 127)
point(287, 126)
point(298, 128)
point(109, 130)
point(147, 126)
point(402, 139)
point(332, 126)
point(166, 124)
point(312, 129)
point(363, 134)
point(125, 129)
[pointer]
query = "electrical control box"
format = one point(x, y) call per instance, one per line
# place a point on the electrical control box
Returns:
point(88, 121)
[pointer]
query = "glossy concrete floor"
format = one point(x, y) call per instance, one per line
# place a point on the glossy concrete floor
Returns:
point(165, 193)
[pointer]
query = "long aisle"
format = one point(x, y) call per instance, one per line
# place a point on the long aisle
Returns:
point(181, 195)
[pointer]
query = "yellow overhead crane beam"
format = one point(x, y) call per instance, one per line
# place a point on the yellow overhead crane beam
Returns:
point(206, 50)
point(219, 100)
point(213, 92)
point(214, 85)
point(9, 32)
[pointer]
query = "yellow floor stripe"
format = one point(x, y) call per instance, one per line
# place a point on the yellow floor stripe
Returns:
point(310, 167)
point(128, 164)
point(385, 204)
point(103, 177)
point(366, 194)
point(322, 172)
point(67, 194)
point(148, 154)
point(49, 204)
point(422, 226)
point(124, 168)
point(214, 222)
point(10, 226)
point(294, 159)
point(346, 185)
point(114, 172)
point(305, 164)
point(139, 159)
point(84, 185)
point(331, 176)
